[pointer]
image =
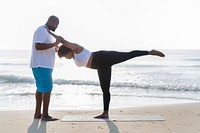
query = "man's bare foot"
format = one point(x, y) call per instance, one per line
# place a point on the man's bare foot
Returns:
point(37, 116)
point(104, 115)
point(49, 118)
point(155, 52)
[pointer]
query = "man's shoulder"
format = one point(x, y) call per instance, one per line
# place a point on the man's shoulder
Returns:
point(41, 29)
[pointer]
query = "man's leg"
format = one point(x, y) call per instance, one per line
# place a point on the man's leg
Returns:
point(46, 101)
point(38, 97)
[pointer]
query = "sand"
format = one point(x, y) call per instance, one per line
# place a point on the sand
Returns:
point(178, 118)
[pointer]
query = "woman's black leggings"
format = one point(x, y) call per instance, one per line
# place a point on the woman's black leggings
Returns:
point(103, 61)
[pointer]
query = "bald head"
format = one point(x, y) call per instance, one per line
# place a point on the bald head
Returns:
point(53, 19)
point(52, 22)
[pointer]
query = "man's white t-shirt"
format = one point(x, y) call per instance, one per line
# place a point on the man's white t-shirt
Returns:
point(42, 58)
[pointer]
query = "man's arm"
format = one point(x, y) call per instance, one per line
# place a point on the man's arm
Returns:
point(42, 46)
point(75, 47)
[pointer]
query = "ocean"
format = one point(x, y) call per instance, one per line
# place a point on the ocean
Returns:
point(141, 81)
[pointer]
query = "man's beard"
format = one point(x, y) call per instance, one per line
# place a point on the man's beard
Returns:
point(53, 30)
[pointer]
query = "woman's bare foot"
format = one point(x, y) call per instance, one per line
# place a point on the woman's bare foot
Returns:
point(155, 52)
point(103, 115)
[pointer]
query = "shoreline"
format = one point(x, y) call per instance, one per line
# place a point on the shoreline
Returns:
point(99, 107)
point(178, 118)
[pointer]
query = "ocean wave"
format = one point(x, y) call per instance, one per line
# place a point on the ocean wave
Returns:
point(141, 66)
point(29, 80)
point(150, 96)
point(192, 59)
point(158, 66)
point(24, 94)
point(75, 82)
point(161, 86)
point(15, 79)
point(17, 94)
point(189, 66)
point(14, 64)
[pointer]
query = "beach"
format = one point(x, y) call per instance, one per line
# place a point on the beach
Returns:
point(178, 118)
point(166, 87)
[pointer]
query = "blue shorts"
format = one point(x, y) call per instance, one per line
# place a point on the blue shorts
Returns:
point(43, 78)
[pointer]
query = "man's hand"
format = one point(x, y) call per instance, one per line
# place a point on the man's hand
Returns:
point(62, 39)
point(58, 39)
point(56, 48)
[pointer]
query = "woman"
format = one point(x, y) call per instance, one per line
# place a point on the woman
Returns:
point(102, 61)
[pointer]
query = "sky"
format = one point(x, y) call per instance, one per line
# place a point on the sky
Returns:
point(105, 24)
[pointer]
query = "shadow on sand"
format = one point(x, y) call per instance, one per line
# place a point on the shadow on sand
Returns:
point(37, 126)
point(112, 127)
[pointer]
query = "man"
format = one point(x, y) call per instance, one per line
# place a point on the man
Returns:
point(42, 63)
